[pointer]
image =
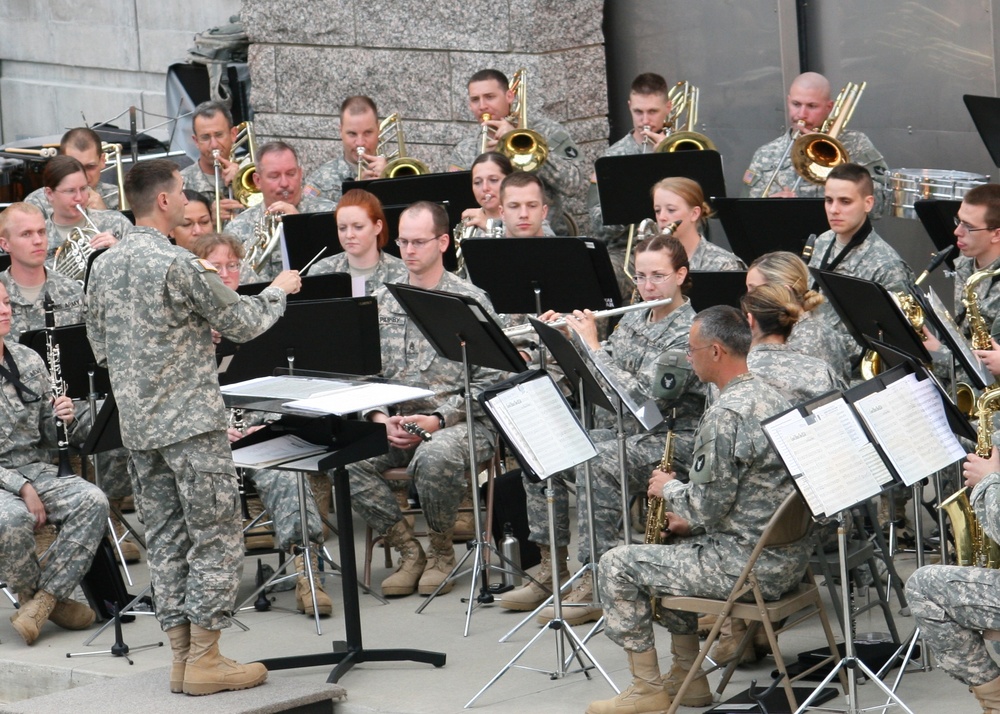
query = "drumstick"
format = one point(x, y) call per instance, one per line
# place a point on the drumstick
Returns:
point(315, 258)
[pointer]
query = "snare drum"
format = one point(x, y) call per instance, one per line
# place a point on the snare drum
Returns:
point(910, 185)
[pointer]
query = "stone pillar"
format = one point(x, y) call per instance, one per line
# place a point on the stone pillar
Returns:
point(415, 57)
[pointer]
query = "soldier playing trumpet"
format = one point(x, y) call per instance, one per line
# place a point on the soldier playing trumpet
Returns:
point(214, 134)
point(359, 136)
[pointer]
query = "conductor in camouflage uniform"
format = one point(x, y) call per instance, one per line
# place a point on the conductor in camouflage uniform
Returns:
point(809, 104)
point(563, 174)
point(437, 466)
point(736, 484)
point(279, 178)
point(150, 313)
point(958, 607)
point(32, 494)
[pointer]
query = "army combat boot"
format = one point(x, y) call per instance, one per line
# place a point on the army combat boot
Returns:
point(530, 595)
point(684, 649)
point(30, 617)
point(207, 671)
point(645, 695)
point(180, 643)
point(989, 696)
point(440, 561)
point(411, 560)
point(303, 597)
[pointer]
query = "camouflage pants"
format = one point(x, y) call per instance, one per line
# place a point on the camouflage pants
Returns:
point(953, 605)
point(113, 470)
point(629, 575)
point(78, 510)
point(279, 491)
point(187, 496)
point(438, 470)
point(642, 453)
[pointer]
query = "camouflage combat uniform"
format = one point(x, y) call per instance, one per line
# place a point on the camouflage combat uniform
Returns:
point(988, 296)
point(328, 180)
point(562, 174)
point(873, 260)
point(151, 308)
point(737, 483)
point(709, 256)
point(197, 180)
point(389, 269)
point(795, 376)
point(108, 191)
point(954, 605)
point(814, 335)
point(244, 224)
point(106, 221)
point(438, 466)
point(279, 491)
point(859, 148)
point(77, 508)
point(650, 360)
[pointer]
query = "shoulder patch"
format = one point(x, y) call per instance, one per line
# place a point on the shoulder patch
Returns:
point(205, 265)
point(571, 152)
point(749, 177)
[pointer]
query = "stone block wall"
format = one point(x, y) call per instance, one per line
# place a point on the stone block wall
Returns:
point(415, 57)
point(61, 61)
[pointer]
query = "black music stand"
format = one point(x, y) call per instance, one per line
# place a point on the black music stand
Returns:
point(985, 113)
point(461, 330)
point(314, 287)
point(938, 218)
point(532, 275)
point(868, 310)
point(452, 189)
point(90, 266)
point(294, 341)
point(717, 287)
point(624, 182)
point(755, 226)
point(350, 441)
point(306, 234)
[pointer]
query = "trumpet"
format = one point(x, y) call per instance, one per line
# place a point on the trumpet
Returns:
point(58, 386)
point(519, 330)
point(526, 149)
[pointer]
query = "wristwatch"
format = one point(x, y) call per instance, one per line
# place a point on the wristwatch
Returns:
point(441, 423)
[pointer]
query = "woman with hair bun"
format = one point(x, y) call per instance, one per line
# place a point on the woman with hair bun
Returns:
point(812, 334)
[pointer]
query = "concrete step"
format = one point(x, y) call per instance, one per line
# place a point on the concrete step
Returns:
point(148, 692)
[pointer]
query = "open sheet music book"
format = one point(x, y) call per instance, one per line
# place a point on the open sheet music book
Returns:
point(538, 424)
point(844, 448)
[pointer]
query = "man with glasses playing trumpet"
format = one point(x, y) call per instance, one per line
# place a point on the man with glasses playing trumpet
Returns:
point(771, 172)
point(491, 98)
point(84, 145)
point(358, 135)
point(279, 178)
point(213, 131)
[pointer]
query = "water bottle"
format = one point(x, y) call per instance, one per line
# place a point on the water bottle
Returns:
point(510, 548)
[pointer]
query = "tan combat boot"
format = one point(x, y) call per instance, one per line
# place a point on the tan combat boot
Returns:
point(30, 617)
point(303, 599)
point(72, 615)
point(646, 694)
point(130, 551)
point(730, 636)
point(684, 649)
point(207, 671)
point(581, 604)
point(440, 561)
point(180, 643)
point(705, 625)
point(465, 527)
point(411, 560)
point(260, 537)
point(529, 596)
point(989, 696)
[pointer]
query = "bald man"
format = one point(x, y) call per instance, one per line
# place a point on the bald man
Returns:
point(809, 104)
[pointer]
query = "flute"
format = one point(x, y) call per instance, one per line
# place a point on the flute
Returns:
point(518, 330)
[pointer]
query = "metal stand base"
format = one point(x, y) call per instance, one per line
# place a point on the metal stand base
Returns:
point(119, 648)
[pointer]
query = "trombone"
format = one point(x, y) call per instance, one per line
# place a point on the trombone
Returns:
point(815, 155)
point(683, 98)
point(526, 149)
point(244, 189)
point(398, 164)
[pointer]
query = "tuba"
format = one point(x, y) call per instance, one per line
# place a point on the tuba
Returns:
point(526, 149)
point(815, 155)
point(972, 544)
point(266, 234)
point(244, 189)
point(398, 164)
point(682, 136)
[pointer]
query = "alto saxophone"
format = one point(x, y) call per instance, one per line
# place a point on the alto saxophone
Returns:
point(656, 506)
point(979, 331)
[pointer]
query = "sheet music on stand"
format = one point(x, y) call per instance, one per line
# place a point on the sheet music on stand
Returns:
point(843, 448)
point(538, 424)
point(950, 333)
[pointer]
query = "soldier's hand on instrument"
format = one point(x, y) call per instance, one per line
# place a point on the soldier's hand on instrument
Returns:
point(229, 170)
point(374, 166)
point(976, 467)
point(234, 435)
point(33, 503)
point(990, 358)
point(398, 436)
point(584, 324)
point(103, 240)
point(500, 127)
point(229, 208)
point(657, 481)
point(288, 280)
point(654, 138)
point(785, 192)
point(676, 525)
point(95, 201)
point(63, 408)
point(283, 207)
point(474, 217)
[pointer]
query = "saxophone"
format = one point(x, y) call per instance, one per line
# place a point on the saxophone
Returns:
point(972, 545)
point(656, 506)
point(979, 331)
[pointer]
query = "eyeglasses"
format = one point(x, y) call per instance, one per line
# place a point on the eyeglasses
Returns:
point(691, 349)
point(233, 267)
point(416, 243)
point(73, 191)
point(207, 138)
point(655, 278)
point(969, 229)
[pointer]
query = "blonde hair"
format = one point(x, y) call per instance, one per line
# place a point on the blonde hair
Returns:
point(788, 269)
point(689, 191)
point(774, 307)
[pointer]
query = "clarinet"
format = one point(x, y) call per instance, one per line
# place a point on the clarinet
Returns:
point(58, 386)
